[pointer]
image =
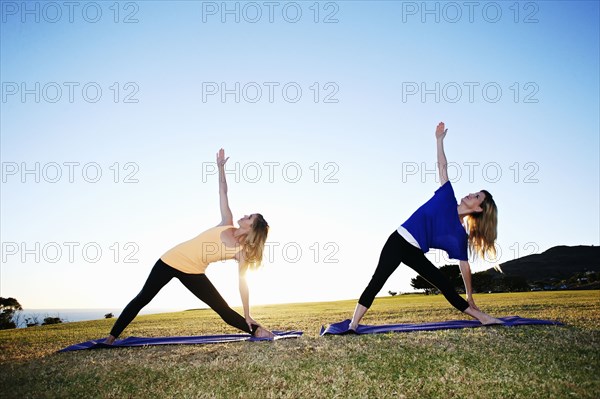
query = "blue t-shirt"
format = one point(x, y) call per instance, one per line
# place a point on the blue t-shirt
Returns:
point(436, 224)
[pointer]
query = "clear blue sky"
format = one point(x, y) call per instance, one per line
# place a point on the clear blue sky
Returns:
point(534, 145)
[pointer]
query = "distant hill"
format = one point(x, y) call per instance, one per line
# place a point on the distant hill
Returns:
point(560, 262)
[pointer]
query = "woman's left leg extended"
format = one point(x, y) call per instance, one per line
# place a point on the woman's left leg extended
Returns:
point(389, 260)
point(160, 275)
point(201, 286)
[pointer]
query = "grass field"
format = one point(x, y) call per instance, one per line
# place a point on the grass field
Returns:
point(495, 362)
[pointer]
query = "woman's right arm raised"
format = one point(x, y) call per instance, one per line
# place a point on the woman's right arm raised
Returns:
point(440, 133)
point(226, 216)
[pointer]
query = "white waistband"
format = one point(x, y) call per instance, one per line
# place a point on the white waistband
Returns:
point(408, 237)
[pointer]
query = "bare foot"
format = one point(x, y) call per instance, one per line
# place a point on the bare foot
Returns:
point(353, 327)
point(109, 340)
point(483, 318)
point(490, 321)
point(262, 332)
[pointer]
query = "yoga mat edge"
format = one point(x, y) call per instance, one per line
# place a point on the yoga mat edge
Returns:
point(342, 327)
point(185, 340)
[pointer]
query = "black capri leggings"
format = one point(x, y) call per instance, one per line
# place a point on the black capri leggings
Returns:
point(397, 250)
point(198, 284)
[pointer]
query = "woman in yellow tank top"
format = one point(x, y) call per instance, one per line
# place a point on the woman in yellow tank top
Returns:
point(188, 262)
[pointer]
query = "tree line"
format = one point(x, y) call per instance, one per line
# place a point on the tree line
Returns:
point(480, 281)
point(10, 315)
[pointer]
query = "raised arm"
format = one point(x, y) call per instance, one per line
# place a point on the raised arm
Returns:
point(440, 134)
point(226, 216)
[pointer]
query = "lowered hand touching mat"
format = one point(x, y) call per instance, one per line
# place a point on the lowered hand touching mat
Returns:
point(200, 339)
point(343, 327)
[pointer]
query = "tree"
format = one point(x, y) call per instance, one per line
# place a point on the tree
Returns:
point(33, 320)
point(108, 316)
point(419, 283)
point(8, 308)
point(482, 282)
point(392, 293)
point(51, 320)
point(453, 274)
point(514, 284)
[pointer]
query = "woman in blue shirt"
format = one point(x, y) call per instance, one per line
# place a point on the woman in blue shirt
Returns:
point(439, 223)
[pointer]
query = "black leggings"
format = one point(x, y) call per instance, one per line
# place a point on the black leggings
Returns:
point(397, 250)
point(198, 284)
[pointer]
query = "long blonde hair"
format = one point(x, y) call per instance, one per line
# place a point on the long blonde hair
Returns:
point(254, 244)
point(483, 227)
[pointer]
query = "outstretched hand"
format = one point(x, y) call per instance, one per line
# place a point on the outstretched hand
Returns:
point(260, 332)
point(250, 321)
point(471, 303)
point(221, 160)
point(440, 131)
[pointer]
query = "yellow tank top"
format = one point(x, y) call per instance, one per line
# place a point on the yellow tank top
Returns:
point(193, 256)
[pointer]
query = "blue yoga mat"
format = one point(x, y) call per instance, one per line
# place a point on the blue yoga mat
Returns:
point(199, 339)
point(343, 327)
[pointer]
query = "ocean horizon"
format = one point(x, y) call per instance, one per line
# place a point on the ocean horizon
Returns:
point(74, 314)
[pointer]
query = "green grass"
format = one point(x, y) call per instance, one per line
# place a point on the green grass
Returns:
point(495, 362)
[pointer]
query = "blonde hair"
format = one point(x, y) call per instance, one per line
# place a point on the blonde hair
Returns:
point(254, 243)
point(483, 227)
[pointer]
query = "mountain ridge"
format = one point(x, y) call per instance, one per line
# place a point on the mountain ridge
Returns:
point(558, 262)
